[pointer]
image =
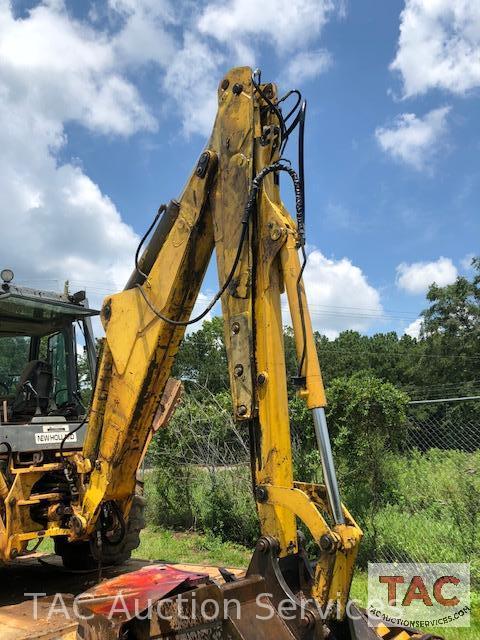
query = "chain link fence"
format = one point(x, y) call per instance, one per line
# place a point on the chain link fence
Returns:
point(428, 511)
point(444, 424)
point(434, 513)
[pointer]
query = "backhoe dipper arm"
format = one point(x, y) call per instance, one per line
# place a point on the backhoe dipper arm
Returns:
point(231, 203)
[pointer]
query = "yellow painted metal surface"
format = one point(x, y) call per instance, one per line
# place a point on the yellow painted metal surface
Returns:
point(142, 349)
point(233, 139)
point(17, 527)
point(314, 392)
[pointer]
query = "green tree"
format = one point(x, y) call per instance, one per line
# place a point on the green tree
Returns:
point(454, 313)
point(202, 357)
point(343, 356)
point(451, 326)
point(451, 335)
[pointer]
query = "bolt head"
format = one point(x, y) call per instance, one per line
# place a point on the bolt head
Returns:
point(225, 83)
point(235, 328)
point(261, 494)
point(268, 91)
point(241, 410)
point(262, 545)
point(237, 89)
point(238, 370)
point(326, 543)
point(275, 233)
point(307, 621)
point(262, 378)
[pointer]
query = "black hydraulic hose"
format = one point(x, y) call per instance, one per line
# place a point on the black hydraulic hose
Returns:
point(273, 107)
point(68, 468)
point(301, 167)
point(215, 299)
point(70, 433)
point(295, 106)
point(301, 228)
point(251, 202)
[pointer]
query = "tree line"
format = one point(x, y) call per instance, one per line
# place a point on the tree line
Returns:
point(443, 362)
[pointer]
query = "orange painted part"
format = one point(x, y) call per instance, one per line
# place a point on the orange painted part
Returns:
point(131, 593)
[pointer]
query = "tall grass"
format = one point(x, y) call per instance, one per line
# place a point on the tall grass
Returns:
point(430, 510)
point(215, 500)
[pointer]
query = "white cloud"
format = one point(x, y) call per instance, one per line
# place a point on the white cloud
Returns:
point(144, 36)
point(417, 277)
point(283, 22)
point(439, 46)
point(339, 296)
point(414, 328)
point(237, 26)
point(195, 93)
point(56, 223)
point(307, 65)
point(67, 71)
point(414, 140)
point(225, 33)
point(49, 46)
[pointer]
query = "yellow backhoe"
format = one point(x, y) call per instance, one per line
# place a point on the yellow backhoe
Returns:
point(82, 492)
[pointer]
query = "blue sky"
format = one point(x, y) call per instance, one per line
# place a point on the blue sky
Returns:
point(107, 105)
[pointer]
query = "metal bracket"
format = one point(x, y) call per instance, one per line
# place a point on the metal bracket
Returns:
point(241, 366)
point(202, 166)
point(304, 620)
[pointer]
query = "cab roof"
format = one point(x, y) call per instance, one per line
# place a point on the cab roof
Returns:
point(31, 312)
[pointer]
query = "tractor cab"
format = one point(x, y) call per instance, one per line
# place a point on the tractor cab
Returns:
point(44, 377)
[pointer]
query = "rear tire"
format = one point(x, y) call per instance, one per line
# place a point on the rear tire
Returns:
point(78, 556)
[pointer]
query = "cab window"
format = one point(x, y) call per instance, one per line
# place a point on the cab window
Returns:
point(14, 355)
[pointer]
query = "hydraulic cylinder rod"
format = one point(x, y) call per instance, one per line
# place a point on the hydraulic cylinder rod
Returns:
point(329, 474)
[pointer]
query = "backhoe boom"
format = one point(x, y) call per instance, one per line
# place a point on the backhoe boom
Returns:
point(231, 203)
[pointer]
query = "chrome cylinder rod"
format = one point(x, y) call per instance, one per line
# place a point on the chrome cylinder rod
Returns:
point(329, 474)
